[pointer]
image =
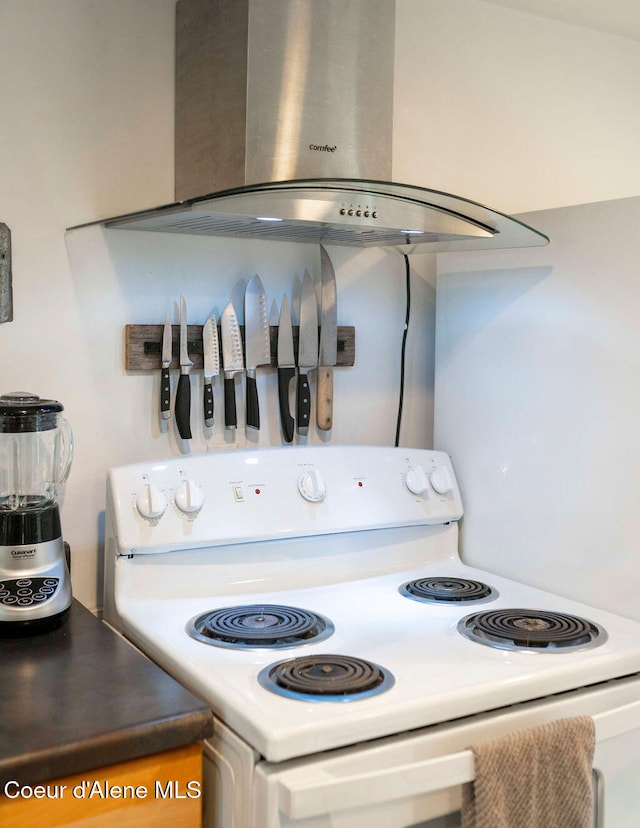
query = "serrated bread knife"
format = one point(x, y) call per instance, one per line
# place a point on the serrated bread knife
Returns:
point(232, 362)
point(328, 343)
point(211, 354)
point(257, 343)
point(307, 352)
point(183, 394)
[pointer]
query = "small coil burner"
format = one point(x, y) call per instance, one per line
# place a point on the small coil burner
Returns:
point(326, 678)
point(259, 625)
point(448, 590)
point(531, 630)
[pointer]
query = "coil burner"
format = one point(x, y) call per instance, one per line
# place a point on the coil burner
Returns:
point(531, 630)
point(445, 590)
point(268, 626)
point(326, 678)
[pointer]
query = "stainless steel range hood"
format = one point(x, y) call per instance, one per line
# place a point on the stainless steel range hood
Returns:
point(284, 114)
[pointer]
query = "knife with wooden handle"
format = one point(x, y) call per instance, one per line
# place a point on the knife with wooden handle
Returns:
point(183, 394)
point(328, 343)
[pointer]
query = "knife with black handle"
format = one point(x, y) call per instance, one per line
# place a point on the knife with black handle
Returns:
point(232, 362)
point(307, 352)
point(286, 368)
point(211, 359)
point(183, 394)
point(165, 381)
point(257, 344)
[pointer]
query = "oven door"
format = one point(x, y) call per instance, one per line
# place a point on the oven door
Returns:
point(415, 779)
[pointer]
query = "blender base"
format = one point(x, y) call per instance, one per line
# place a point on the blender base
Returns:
point(32, 626)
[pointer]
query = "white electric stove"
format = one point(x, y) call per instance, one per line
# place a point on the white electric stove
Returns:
point(315, 598)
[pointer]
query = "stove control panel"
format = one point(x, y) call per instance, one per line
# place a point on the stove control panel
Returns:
point(238, 496)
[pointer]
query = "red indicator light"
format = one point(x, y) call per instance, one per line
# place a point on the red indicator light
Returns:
point(257, 491)
point(360, 483)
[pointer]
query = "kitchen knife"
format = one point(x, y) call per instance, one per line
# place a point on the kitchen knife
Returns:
point(257, 343)
point(307, 352)
point(232, 362)
point(211, 365)
point(286, 368)
point(183, 394)
point(165, 382)
point(328, 343)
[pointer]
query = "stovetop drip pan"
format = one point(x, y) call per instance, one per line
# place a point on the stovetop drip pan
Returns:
point(532, 630)
point(326, 677)
point(448, 590)
point(264, 626)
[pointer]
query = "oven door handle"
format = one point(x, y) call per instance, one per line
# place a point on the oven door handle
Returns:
point(308, 792)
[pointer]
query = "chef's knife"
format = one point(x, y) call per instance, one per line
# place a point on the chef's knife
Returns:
point(232, 362)
point(183, 394)
point(165, 382)
point(257, 343)
point(211, 365)
point(286, 368)
point(328, 343)
point(307, 352)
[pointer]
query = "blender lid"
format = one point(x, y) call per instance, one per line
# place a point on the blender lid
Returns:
point(22, 411)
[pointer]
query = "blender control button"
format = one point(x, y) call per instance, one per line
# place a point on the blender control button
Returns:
point(4, 593)
point(24, 591)
point(23, 582)
point(40, 597)
point(10, 599)
point(24, 602)
point(47, 590)
point(50, 582)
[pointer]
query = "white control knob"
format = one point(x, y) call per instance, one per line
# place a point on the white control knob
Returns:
point(189, 497)
point(416, 480)
point(151, 503)
point(441, 480)
point(312, 487)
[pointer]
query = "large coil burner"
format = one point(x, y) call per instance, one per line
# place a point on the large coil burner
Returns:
point(531, 630)
point(447, 590)
point(268, 626)
point(326, 678)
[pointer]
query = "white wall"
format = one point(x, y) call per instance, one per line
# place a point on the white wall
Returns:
point(86, 131)
point(514, 110)
point(538, 401)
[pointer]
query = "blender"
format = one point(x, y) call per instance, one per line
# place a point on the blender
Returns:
point(36, 449)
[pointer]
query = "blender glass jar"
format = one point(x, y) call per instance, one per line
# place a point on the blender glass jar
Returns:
point(36, 450)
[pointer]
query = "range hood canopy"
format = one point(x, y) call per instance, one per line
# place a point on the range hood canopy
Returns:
point(298, 95)
point(340, 211)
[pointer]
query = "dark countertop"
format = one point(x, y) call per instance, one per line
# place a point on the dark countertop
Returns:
point(80, 697)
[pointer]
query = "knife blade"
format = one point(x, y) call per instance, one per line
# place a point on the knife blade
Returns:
point(257, 343)
point(183, 394)
point(286, 368)
point(232, 362)
point(328, 343)
point(165, 381)
point(307, 352)
point(211, 365)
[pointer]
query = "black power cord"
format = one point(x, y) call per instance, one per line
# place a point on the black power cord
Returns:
point(404, 344)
